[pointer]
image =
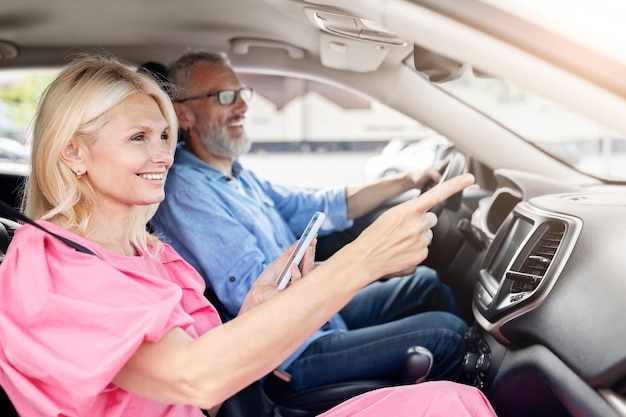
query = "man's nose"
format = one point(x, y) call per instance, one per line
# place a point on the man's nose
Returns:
point(240, 104)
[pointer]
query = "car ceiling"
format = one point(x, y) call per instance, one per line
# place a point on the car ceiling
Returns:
point(35, 32)
point(44, 32)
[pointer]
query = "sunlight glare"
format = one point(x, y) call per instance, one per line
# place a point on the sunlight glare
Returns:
point(600, 24)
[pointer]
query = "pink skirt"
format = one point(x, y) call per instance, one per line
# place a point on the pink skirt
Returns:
point(428, 399)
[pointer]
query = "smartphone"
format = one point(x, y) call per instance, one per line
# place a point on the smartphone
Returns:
point(298, 251)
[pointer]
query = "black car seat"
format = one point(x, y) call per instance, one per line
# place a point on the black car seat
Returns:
point(6, 407)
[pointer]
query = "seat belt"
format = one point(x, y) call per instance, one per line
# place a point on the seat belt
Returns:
point(10, 212)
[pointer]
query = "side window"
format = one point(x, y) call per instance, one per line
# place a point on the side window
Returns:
point(307, 133)
point(19, 94)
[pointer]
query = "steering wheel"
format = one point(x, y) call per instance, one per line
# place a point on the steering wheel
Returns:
point(447, 238)
point(450, 166)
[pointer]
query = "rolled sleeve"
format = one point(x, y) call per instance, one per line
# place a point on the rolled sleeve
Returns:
point(336, 211)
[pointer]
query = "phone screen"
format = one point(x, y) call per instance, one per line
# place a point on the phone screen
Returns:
point(298, 251)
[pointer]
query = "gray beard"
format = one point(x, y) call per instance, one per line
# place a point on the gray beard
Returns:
point(220, 144)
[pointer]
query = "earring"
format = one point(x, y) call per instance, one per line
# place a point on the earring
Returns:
point(79, 175)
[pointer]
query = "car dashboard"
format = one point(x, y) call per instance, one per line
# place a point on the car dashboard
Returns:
point(549, 338)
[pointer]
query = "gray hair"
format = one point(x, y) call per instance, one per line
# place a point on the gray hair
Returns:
point(179, 72)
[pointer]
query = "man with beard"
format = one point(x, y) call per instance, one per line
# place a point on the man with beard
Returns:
point(230, 224)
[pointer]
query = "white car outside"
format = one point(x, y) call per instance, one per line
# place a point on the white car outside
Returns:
point(402, 156)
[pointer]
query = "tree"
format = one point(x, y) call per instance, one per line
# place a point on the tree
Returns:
point(20, 97)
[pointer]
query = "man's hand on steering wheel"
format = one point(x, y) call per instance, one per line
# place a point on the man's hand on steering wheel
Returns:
point(452, 165)
point(425, 180)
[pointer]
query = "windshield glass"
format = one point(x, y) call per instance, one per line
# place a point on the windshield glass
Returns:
point(578, 141)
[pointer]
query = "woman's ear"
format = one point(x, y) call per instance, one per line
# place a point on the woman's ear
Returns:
point(72, 156)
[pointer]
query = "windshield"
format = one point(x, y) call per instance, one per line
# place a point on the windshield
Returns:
point(570, 137)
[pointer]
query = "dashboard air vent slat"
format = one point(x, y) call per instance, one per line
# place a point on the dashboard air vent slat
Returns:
point(534, 267)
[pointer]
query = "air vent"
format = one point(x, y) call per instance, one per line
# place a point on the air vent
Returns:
point(534, 267)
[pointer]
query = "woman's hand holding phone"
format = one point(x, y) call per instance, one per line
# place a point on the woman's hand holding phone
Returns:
point(264, 287)
point(297, 253)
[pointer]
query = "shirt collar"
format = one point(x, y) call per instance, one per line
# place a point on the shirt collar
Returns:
point(185, 157)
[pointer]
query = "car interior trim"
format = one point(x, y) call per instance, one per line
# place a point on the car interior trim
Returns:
point(616, 401)
point(507, 302)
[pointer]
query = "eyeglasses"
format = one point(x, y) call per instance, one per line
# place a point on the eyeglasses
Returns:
point(224, 97)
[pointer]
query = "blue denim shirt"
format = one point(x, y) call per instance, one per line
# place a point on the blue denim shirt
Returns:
point(230, 228)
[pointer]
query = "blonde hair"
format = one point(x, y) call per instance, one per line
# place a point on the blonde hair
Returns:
point(76, 104)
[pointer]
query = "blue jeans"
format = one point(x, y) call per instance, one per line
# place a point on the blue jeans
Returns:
point(384, 320)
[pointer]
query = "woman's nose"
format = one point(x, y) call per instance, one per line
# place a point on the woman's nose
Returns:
point(163, 154)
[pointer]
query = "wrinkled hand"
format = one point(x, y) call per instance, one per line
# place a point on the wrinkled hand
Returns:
point(264, 287)
point(398, 240)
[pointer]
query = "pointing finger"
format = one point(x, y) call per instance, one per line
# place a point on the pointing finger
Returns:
point(440, 192)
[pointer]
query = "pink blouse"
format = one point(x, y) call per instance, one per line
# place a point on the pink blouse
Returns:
point(69, 321)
